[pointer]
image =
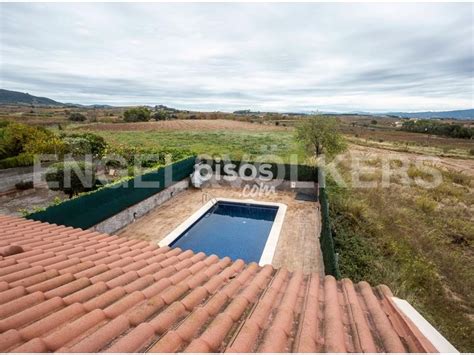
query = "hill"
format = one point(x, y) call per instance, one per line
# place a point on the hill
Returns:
point(457, 114)
point(8, 97)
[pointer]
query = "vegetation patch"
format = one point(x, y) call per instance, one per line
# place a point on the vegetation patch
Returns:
point(442, 129)
point(397, 236)
point(235, 145)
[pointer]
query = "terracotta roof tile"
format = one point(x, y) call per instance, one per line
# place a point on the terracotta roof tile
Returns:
point(10, 250)
point(139, 284)
point(6, 263)
point(138, 339)
point(101, 337)
point(31, 314)
point(86, 293)
point(9, 339)
point(52, 321)
point(124, 303)
point(35, 345)
point(10, 294)
point(10, 267)
point(63, 264)
point(51, 283)
point(72, 290)
point(74, 329)
point(105, 299)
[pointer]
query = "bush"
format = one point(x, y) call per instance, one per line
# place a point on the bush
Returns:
point(17, 138)
point(136, 114)
point(160, 115)
point(443, 129)
point(24, 185)
point(459, 178)
point(71, 177)
point(77, 146)
point(425, 204)
point(14, 138)
point(85, 143)
point(50, 144)
point(471, 151)
point(24, 159)
point(76, 117)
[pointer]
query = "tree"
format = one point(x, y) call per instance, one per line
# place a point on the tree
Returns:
point(77, 117)
point(17, 138)
point(320, 135)
point(85, 143)
point(160, 115)
point(71, 177)
point(136, 114)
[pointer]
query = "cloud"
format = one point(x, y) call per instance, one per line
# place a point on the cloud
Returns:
point(232, 56)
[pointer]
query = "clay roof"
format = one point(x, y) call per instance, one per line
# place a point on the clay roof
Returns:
point(65, 289)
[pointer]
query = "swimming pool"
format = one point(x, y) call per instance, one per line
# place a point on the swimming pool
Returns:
point(247, 230)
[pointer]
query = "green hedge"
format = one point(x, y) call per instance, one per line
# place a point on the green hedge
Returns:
point(89, 209)
point(22, 159)
point(326, 240)
point(291, 172)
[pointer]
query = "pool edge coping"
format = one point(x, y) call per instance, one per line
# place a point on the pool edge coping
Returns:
point(270, 245)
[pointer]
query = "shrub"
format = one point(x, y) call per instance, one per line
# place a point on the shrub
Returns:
point(85, 143)
point(24, 185)
point(77, 146)
point(417, 173)
point(136, 114)
point(14, 137)
point(443, 129)
point(160, 115)
point(471, 151)
point(71, 177)
point(49, 144)
point(425, 204)
point(17, 138)
point(459, 178)
point(76, 117)
point(23, 159)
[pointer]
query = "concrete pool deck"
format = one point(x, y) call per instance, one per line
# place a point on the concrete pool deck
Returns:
point(298, 245)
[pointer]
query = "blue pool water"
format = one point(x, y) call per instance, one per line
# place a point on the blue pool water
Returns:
point(236, 230)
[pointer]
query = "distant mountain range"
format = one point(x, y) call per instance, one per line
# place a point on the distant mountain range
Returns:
point(457, 114)
point(8, 97)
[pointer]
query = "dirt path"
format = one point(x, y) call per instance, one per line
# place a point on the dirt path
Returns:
point(185, 125)
point(465, 166)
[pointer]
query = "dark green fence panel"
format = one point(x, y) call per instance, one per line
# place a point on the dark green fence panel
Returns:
point(326, 240)
point(87, 210)
point(291, 172)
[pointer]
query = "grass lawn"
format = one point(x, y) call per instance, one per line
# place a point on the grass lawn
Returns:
point(235, 144)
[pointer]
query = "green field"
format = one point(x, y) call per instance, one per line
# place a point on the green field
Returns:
point(234, 144)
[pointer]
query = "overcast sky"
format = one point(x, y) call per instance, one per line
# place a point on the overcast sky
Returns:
point(279, 57)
